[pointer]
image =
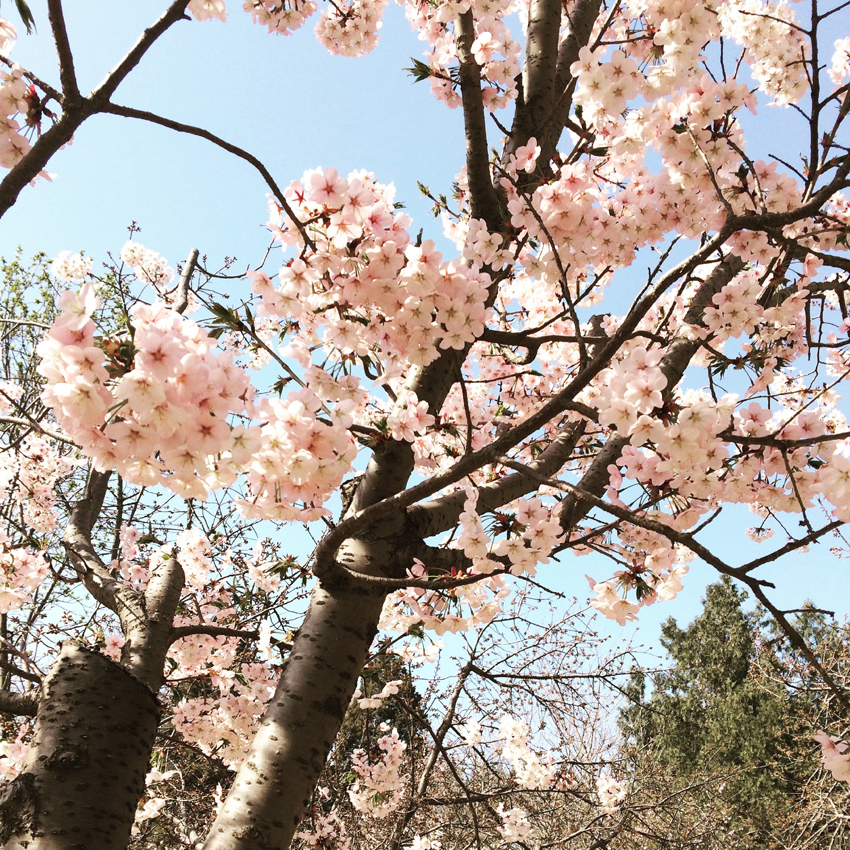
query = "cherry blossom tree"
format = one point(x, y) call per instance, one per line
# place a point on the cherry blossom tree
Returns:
point(644, 327)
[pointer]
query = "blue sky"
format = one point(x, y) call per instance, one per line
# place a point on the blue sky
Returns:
point(284, 99)
point(289, 102)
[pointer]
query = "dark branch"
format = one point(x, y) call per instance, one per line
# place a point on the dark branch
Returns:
point(101, 95)
point(143, 115)
point(70, 89)
point(179, 632)
point(483, 199)
point(20, 704)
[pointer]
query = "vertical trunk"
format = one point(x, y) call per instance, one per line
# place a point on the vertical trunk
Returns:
point(5, 674)
point(273, 786)
point(90, 752)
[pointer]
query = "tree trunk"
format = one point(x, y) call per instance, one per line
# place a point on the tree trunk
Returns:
point(90, 753)
point(274, 784)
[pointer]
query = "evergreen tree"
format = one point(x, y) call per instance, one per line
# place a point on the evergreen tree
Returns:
point(711, 715)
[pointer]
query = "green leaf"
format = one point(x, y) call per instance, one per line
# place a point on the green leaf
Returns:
point(420, 71)
point(279, 384)
point(26, 15)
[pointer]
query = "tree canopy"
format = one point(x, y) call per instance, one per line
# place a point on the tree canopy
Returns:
point(641, 333)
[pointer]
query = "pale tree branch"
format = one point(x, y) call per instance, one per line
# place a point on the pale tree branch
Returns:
point(36, 426)
point(182, 300)
point(146, 617)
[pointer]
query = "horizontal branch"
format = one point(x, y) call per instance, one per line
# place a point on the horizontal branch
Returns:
point(179, 632)
point(20, 704)
point(31, 423)
point(24, 674)
point(773, 441)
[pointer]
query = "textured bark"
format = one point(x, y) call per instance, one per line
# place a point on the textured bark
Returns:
point(538, 78)
point(273, 786)
point(545, 101)
point(90, 752)
point(19, 704)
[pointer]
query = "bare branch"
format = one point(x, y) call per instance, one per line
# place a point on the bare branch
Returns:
point(101, 95)
point(18, 704)
point(36, 426)
point(70, 89)
point(180, 127)
point(797, 639)
point(32, 677)
point(179, 632)
point(76, 111)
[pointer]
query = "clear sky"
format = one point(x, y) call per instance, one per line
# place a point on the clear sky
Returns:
point(284, 99)
point(296, 107)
